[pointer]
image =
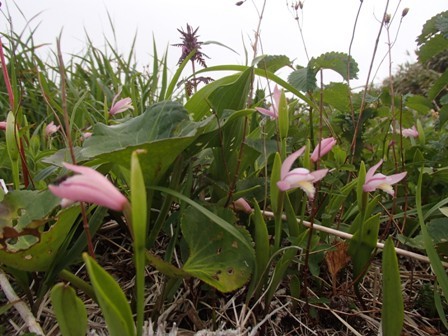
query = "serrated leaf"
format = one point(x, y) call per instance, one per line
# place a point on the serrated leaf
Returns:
point(273, 63)
point(339, 62)
point(392, 313)
point(433, 47)
point(114, 305)
point(216, 256)
point(70, 311)
point(303, 79)
point(430, 27)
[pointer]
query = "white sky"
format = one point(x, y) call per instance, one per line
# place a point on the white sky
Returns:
point(327, 26)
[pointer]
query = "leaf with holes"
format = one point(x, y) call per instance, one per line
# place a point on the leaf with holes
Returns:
point(216, 256)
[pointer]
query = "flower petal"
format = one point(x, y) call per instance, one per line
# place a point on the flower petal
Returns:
point(372, 170)
point(289, 161)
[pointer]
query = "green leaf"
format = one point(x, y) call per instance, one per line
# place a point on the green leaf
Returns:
point(139, 229)
point(438, 86)
point(163, 131)
point(262, 249)
point(232, 96)
point(70, 311)
point(362, 244)
point(436, 264)
point(392, 314)
point(339, 62)
point(432, 47)
point(431, 27)
point(337, 95)
point(275, 177)
point(40, 255)
point(216, 257)
point(273, 63)
point(303, 79)
point(112, 301)
point(419, 103)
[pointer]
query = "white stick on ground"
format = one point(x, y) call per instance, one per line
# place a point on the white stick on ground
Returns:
point(346, 235)
point(19, 305)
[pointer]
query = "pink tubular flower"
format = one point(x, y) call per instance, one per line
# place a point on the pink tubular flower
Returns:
point(121, 105)
point(409, 132)
point(299, 177)
point(51, 128)
point(88, 186)
point(325, 146)
point(273, 111)
point(241, 205)
point(380, 181)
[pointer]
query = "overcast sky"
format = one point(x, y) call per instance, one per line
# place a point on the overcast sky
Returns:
point(327, 26)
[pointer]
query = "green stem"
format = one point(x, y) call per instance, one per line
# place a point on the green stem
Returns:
point(279, 220)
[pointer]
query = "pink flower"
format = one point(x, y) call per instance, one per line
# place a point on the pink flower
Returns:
point(120, 106)
point(273, 111)
point(409, 132)
point(88, 186)
point(325, 146)
point(51, 128)
point(299, 177)
point(3, 125)
point(241, 205)
point(380, 181)
point(86, 135)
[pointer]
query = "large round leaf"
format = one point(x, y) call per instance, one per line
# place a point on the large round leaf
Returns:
point(216, 256)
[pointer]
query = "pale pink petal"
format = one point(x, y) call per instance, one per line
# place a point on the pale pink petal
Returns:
point(410, 132)
point(373, 183)
point(276, 97)
point(3, 125)
point(372, 170)
point(325, 146)
point(121, 106)
point(283, 185)
point(392, 179)
point(289, 161)
point(242, 205)
point(267, 112)
point(51, 128)
point(88, 186)
point(319, 174)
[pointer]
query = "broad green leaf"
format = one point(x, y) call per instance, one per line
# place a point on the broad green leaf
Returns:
point(216, 256)
point(432, 47)
point(431, 27)
point(241, 238)
point(419, 103)
point(337, 95)
point(444, 210)
point(232, 96)
point(339, 62)
point(70, 311)
point(163, 131)
point(273, 63)
point(41, 254)
point(113, 303)
point(303, 79)
point(438, 86)
point(392, 313)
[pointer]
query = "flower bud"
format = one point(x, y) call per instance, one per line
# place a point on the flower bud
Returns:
point(405, 12)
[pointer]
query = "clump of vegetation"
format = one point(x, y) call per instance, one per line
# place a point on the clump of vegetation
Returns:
point(248, 205)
